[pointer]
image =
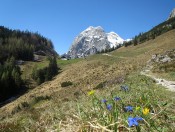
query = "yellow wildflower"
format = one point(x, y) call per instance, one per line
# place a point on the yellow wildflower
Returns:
point(91, 92)
point(145, 111)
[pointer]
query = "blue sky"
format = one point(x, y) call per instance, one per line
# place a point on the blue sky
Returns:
point(62, 20)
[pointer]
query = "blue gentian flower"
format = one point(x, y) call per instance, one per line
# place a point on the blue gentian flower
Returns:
point(117, 98)
point(134, 121)
point(103, 100)
point(128, 108)
point(109, 107)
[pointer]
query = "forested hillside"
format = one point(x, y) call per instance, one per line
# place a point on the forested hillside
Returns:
point(153, 33)
point(19, 45)
point(10, 79)
point(22, 44)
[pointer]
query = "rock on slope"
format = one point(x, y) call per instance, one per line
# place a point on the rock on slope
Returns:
point(91, 40)
point(161, 63)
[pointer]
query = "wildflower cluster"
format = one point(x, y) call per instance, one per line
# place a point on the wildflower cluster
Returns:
point(115, 106)
point(132, 121)
point(124, 110)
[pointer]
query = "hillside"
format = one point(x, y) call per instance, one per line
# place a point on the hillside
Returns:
point(23, 44)
point(52, 107)
point(17, 50)
point(153, 33)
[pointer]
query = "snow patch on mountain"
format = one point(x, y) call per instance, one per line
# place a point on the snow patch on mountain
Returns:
point(127, 40)
point(93, 40)
point(114, 39)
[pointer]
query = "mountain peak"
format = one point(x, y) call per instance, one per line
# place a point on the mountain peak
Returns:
point(94, 28)
point(172, 14)
point(92, 40)
point(89, 28)
point(99, 27)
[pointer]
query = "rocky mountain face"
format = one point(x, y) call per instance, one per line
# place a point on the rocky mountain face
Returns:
point(92, 40)
point(172, 14)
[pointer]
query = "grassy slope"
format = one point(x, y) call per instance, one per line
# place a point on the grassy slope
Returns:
point(29, 112)
point(28, 67)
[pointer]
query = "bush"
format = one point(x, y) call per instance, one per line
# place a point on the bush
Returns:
point(66, 84)
point(25, 105)
point(18, 108)
point(40, 98)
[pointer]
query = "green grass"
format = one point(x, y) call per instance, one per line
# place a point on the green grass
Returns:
point(27, 68)
point(143, 93)
point(42, 64)
point(63, 63)
point(107, 60)
point(130, 53)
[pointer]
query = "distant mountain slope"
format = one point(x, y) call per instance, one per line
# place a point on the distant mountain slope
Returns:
point(153, 33)
point(22, 44)
point(93, 40)
point(172, 14)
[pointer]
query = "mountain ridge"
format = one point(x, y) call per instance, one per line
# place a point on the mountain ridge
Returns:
point(172, 14)
point(93, 40)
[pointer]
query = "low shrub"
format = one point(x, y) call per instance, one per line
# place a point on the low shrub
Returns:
point(25, 105)
point(66, 84)
point(19, 107)
point(40, 98)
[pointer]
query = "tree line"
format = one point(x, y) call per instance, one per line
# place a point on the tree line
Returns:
point(10, 79)
point(109, 50)
point(21, 44)
point(153, 33)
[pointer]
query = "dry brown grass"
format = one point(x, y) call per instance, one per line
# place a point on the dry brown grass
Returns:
point(88, 73)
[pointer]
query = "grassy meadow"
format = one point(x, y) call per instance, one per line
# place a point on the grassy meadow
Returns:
point(95, 101)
